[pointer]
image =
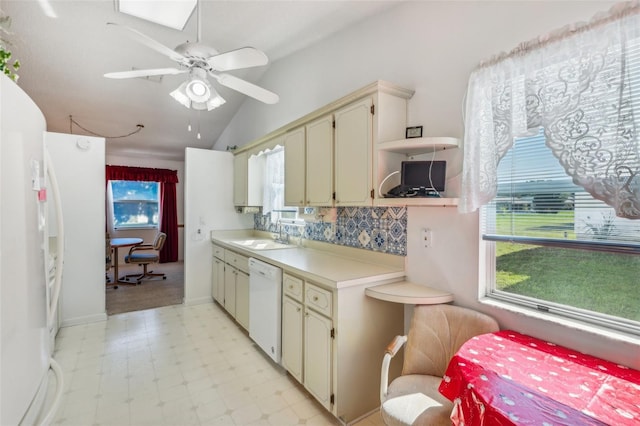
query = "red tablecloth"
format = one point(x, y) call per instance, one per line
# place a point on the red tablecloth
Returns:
point(508, 378)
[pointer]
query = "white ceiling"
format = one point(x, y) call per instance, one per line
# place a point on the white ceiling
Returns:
point(64, 58)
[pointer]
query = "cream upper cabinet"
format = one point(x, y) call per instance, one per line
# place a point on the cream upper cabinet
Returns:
point(248, 175)
point(294, 168)
point(240, 178)
point(333, 155)
point(353, 152)
point(319, 171)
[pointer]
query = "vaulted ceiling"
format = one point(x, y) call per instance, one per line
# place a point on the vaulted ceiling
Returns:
point(64, 58)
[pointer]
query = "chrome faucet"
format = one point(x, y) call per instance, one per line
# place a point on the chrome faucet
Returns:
point(280, 239)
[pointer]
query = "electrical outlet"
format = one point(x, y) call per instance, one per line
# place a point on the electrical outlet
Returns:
point(427, 237)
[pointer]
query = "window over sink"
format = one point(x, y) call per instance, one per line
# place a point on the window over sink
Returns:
point(273, 190)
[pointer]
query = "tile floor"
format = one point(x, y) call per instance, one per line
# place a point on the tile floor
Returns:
point(177, 365)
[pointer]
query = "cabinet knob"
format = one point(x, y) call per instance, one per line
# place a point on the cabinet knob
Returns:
point(290, 286)
point(298, 309)
point(315, 298)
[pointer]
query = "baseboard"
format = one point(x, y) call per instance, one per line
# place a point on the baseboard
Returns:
point(198, 301)
point(84, 320)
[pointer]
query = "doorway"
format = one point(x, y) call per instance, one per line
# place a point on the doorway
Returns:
point(149, 294)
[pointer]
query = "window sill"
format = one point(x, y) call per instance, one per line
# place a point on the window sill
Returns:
point(134, 227)
point(571, 324)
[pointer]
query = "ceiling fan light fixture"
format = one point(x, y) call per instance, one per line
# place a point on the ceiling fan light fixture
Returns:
point(197, 93)
point(180, 95)
point(215, 101)
point(198, 90)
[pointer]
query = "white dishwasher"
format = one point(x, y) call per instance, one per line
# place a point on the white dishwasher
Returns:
point(265, 301)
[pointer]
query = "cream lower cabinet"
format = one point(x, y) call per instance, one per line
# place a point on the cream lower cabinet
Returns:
point(292, 318)
point(217, 274)
point(217, 280)
point(333, 341)
point(318, 344)
point(292, 325)
point(242, 299)
point(230, 274)
point(236, 287)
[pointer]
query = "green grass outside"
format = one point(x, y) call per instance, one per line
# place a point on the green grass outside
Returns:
point(602, 282)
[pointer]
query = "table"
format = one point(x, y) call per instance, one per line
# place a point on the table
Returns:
point(409, 293)
point(508, 378)
point(115, 244)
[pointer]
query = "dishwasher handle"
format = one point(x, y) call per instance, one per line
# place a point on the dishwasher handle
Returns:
point(263, 269)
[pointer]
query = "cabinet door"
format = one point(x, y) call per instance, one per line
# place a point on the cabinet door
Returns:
point(217, 280)
point(353, 154)
point(319, 175)
point(317, 356)
point(292, 337)
point(242, 299)
point(294, 168)
point(230, 274)
point(240, 178)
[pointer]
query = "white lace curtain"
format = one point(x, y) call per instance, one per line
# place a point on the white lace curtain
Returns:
point(582, 86)
point(273, 189)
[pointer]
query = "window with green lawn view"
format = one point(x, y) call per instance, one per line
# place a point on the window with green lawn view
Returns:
point(134, 204)
point(552, 160)
point(556, 248)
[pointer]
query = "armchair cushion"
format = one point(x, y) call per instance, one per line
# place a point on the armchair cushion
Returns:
point(414, 400)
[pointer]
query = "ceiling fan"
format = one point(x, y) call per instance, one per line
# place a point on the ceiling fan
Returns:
point(199, 61)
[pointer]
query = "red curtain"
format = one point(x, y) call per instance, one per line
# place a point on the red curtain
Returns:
point(169, 220)
point(168, 203)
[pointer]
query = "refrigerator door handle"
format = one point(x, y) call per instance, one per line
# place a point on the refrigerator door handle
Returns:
point(55, 189)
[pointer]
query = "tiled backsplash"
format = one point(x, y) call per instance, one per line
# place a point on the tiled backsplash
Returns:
point(382, 229)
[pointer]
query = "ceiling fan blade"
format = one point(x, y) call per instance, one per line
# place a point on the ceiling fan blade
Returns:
point(144, 73)
point(247, 88)
point(244, 57)
point(151, 43)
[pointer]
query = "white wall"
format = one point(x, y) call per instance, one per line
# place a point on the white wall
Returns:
point(430, 47)
point(156, 163)
point(80, 175)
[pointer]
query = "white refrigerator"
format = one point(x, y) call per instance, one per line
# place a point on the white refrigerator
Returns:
point(28, 264)
point(208, 206)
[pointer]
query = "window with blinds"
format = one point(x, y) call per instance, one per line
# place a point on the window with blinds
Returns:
point(556, 248)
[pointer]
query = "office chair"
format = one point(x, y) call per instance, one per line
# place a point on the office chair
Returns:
point(145, 254)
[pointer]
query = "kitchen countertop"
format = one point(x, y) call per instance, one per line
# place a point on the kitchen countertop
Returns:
point(328, 268)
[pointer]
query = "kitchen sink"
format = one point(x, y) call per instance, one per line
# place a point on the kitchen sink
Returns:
point(261, 244)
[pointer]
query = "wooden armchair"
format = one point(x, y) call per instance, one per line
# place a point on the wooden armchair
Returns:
point(435, 335)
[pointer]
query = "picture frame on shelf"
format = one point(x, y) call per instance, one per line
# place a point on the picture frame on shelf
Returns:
point(413, 132)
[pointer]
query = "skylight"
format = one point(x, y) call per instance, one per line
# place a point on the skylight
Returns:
point(170, 13)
